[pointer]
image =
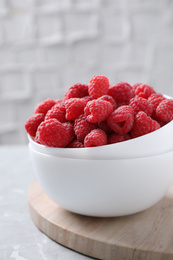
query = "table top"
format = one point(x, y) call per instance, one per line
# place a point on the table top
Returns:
point(20, 239)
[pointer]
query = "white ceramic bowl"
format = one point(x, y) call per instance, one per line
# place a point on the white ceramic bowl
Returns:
point(155, 143)
point(104, 188)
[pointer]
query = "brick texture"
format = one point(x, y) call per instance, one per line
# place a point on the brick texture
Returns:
point(47, 45)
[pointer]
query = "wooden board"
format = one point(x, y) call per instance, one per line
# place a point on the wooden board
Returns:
point(147, 235)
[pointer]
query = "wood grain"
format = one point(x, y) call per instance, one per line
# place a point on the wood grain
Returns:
point(147, 235)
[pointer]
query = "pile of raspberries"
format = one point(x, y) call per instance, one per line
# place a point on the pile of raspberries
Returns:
point(98, 114)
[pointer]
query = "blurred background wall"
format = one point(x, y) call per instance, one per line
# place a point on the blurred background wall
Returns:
point(48, 45)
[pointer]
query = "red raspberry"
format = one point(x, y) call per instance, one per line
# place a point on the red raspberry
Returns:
point(70, 128)
point(164, 111)
point(96, 137)
point(36, 140)
point(76, 91)
point(58, 111)
point(44, 106)
point(121, 120)
point(155, 99)
point(144, 91)
point(87, 99)
point(136, 85)
point(74, 108)
point(82, 127)
point(104, 126)
point(141, 104)
point(59, 101)
point(161, 123)
point(122, 92)
point(98, 86)
point(53, 133)
point(143, 124)
point(75, 144)
point(98, 110)
point(33, 122)
point(109, 99)
point(116, 138)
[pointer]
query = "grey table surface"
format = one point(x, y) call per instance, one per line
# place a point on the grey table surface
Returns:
point(20, 239)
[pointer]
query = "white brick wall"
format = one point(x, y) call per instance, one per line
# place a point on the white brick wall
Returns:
point(48, 45)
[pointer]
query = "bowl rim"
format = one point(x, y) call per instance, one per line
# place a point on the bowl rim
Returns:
point(89, 159)
point(120, 145)
point(136, 139)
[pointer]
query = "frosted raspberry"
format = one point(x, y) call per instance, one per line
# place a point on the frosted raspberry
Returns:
point(109, 99)
point(122, 92)
point(76, 91)
point(75, 144)
point(58, 111)
point(33, 122)
point(121, 120)
point(116, 138)
point(143, 124)
point(164, 110)
point(98, 110)
point(96, 137)
point(82, 127)
point(74, 108)
point(53, 133)
point(44, 106)
point(141, 104)
point(144, 91)
point(98, 86)
point(104, 126)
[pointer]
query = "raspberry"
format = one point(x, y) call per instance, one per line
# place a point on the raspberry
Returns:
point(98, 86)
point(121, 120)
point(82, 127)
point(76, 91)
point(136, 85)
point(160, 122)
point(164, 111)
point(58, 111)
point(98, 110)
point(109, 99)
point(53, 133)
point(96, 137)
point(104, 126)
point(59, 101)
point(74, 108)
point(143, 124)
point(87, 99)
point(33, 122)
point(70, 128)
point(97, 114)
point(155, 100)
point(141, 104)
point(144, 91)
point(75, 144)
point(44, 106)
point(36, 140)
point(116, 138)
point(121, 92)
